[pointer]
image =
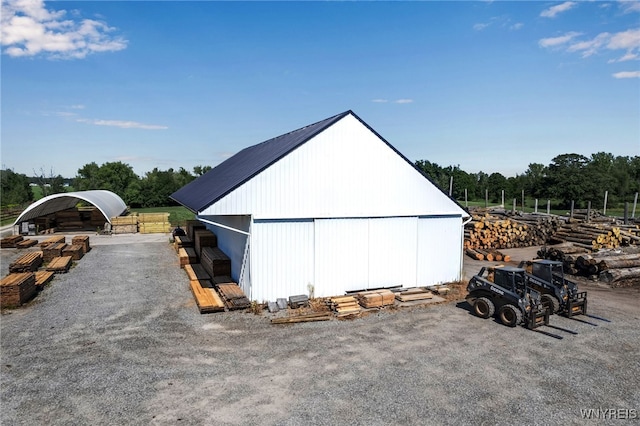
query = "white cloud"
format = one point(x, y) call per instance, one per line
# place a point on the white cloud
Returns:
point(30, 29)
point(629, 39)
point(590, 47)
point(553, 11)
point(122, 124)
point(379, 101)
point(627, 74)
point(626, 57)
point(481, 26)
point(516, 26)
point(557, 41)
point(403, 101)
point(629, 6)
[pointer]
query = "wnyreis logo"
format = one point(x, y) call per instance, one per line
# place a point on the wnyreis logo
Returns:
point(609, 413)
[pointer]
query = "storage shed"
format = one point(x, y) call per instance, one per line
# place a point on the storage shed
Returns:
point(326, 209)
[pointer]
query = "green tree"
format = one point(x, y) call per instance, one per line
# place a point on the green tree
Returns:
point(200, 170)
point(568, 179)
point(16, 189)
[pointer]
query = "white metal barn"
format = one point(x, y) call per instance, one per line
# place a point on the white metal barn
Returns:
point(325, 209)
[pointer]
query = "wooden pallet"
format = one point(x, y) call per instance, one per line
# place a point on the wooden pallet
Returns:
point(24, 244)
point(233, 296)
point(60, 264)
point(43, 277)
point(187, 256)
point(414, 294)
point(196, 272)
point(206, 298)
point(16, 289)
point(28, 262)
point(10, 242)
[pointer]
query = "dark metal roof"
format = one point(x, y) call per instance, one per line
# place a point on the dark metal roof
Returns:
point(233, 172)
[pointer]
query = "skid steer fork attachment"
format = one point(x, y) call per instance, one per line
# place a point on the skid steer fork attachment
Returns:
point(537, 318)
point(578, 306)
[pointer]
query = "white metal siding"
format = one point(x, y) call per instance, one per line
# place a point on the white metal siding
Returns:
point(341, 255)
point(439, 250)
point(345, 171)
point(392, 251)
point(281, 259)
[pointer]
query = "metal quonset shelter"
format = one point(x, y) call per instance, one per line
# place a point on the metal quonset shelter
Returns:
point(109, 204)
point(328, 208)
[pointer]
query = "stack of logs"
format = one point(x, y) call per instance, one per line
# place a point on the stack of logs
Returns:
point(496, 231)
point(616, 267)
point(597, 235)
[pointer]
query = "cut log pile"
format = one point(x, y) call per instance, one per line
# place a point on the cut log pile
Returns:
point(489, 255)
point(618, 267)
point(498, 231)
point(17, 288)
point(597, 235)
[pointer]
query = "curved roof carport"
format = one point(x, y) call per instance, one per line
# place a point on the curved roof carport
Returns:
point(109, 204)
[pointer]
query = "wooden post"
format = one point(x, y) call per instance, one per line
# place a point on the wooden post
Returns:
point(604, 209)
point(523, 201)
point(571, 214)
point(626, 212)
point(535, 209)
point(635, 202)
point(466, 202)
point(451, 186)
point(548, 206)
point(513, 210)
point(486, 198)
point(588, 211)
point(502, 204)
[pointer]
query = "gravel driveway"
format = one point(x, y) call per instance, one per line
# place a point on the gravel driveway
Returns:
point(119, 340)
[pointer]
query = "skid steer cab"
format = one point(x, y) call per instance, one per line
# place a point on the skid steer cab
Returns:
point(557, 293)
point(503, 290)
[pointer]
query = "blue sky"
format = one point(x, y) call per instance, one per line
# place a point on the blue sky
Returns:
point(487, 85)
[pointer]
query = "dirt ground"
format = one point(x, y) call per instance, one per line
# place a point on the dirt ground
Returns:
point(119, 340)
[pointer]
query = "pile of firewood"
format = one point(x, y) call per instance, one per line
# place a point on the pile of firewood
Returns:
point(499, 231)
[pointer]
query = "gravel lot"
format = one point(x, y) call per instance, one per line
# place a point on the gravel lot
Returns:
point(119, 340)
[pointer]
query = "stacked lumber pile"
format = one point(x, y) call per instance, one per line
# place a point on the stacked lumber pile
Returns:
point(306, 317)
point(24, 244)
point(187, 255)
point(233, 296)
point(68, 220)
point(203, 238)
point(206, 297)
point(74, 251)
point(11, 242)
point(17, 288)
point(52, 240)
point(154, 223)
point(28, 262)
point(192, 226)
point(413, 294)
point(344, 305)
point(182, 241)
point(52, 250)
point(59, 264)
point(196, 272)
point(376, 298)
point(124, 224)
point(82, 240)
point(43, 277)
point(215, 262)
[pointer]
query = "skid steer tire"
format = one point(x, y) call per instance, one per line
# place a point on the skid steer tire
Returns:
point(483, 307)
point(550, 303)
point(510, 315)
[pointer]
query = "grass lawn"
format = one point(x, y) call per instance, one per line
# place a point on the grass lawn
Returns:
point(178, 215)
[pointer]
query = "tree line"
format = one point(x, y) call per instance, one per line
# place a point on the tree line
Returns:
point(568, 177)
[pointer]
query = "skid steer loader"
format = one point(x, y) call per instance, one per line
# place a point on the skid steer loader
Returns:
point(504, 290)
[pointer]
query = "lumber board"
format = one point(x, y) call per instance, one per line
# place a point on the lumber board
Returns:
point(206, 298)
point(52, 250)
point(196, 272)
point(52, 240)
point(43, 277)
point(17, 288)
point(233, 296)
point(187, 256)
point(414, 294)
point(28, 262)
point(215, 261)
point(11, 242)
point(316, 316)
point(82, 240)
point(76, 251)
point(24, 244)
